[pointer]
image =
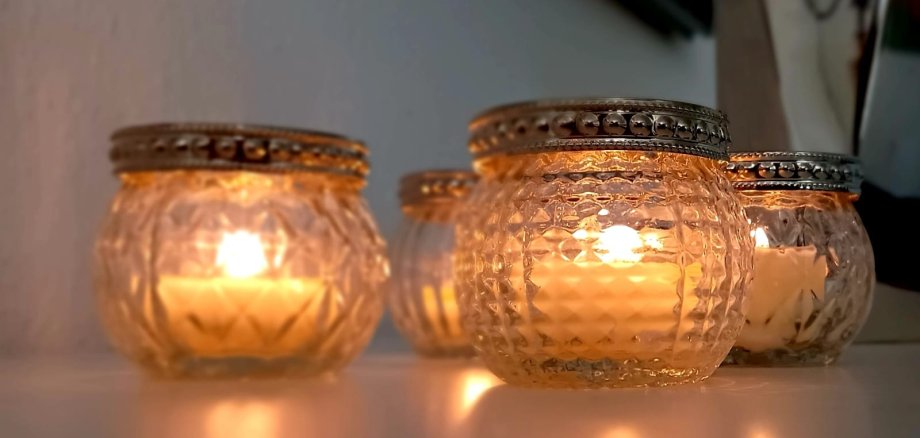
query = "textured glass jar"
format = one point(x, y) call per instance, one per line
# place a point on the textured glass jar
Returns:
point(603, 245)
point(236, 250)
point(422, 296)
point(813, 265)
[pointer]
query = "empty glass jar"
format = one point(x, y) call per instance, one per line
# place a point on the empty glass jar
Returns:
point(813, 265)
point(422, 298)
point(603, 245)
point(238, 250)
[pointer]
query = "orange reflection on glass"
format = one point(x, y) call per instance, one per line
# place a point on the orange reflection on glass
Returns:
point(243, 419)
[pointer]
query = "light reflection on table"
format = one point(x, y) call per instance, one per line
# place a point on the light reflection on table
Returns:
point(873, 393)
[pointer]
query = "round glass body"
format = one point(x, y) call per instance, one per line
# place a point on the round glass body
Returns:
point(602, 268)
point(422, 297)
point(813, 278)
point(204, 273)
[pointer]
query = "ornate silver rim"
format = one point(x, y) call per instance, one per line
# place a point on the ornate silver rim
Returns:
point(225, 146)
point(794, 171)
point(435, 185)
point(600, 124)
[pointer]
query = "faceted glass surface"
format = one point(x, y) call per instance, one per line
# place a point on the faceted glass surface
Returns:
point(813, 278)
point(208, 274)
point(422, 296)
point(602, 269)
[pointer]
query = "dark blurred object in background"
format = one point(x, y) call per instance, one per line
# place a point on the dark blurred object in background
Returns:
point(670, 17)
point(823, 75)
point(879, 211)
point(888, 107)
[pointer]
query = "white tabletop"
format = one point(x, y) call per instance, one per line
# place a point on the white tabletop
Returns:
point(874, 391)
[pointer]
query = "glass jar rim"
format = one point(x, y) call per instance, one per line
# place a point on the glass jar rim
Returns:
point(597, 124)
point(435, 185)
point(794, 170)
point(235, 146)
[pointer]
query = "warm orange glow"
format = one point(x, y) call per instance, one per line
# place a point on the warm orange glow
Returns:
point(475, 383)
point(241, 255)
point(760, 432)
point(440, 307)
point(622, 432)
point(251, 419)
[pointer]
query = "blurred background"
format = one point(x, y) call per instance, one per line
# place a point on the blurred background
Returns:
point(405, 76)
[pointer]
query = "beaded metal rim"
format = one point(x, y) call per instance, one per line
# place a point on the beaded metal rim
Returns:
point(600, 124)
point(794, 171)
point(435, 185)
point(225, 146)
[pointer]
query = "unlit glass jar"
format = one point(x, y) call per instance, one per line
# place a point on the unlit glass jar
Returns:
point(813, 265)
point(422, 297)
point(603, 246)
point(237, 250)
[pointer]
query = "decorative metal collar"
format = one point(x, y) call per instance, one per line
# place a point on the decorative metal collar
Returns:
point(794, 171)
point(435, 186)
point(601, 124)
point(218, 146)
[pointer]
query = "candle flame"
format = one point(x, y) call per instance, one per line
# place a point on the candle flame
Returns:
point(760, 238)
point(620, 243)
point(240, 254)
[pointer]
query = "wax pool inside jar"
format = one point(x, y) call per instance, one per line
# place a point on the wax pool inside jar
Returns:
point(441, 310)
point(607, 301)
point(243, 311)
point(786, 289)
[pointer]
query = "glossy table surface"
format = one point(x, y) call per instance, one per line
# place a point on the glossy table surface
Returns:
point(874, 391)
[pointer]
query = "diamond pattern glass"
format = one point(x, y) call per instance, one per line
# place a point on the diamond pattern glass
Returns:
point(422, 296)
point(813, 278)
point(225, 273)
point(602, 269)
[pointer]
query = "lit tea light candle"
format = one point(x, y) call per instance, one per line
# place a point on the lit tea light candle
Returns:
point(636, 298)
point(238, 250)
point(813, 268)
point(788, 285)
point(421, 296)
point(243, 311)
point(603, 245)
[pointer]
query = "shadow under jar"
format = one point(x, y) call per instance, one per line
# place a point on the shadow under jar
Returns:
point(238, 250)
point(813, 266)
point(603, 245)
point(421, 296)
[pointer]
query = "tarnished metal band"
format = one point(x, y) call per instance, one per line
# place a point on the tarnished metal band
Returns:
point(435, 185)
point(601, 124)
point(216, 146)
point(794, 171)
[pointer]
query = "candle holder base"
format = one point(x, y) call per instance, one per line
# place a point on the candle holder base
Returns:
point(812, 356)
point(602, 373)
point(239, 367)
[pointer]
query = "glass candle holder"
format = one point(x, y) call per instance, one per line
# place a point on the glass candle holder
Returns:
point(813, 265)
point(237, 250)
point(422, 298)
point(603, 245)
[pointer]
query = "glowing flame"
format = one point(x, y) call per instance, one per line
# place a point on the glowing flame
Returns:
point(240, 254)
point(620, 243)
point(760, 238)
